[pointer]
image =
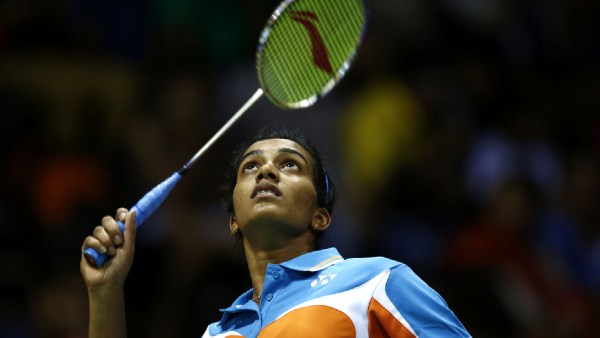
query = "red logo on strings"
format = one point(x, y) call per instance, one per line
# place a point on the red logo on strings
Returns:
point(319, 52)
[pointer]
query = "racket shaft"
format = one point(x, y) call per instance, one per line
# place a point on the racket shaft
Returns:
point(144, 208)
point(226, 126)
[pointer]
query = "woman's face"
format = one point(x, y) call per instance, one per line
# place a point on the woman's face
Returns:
point(275, 192)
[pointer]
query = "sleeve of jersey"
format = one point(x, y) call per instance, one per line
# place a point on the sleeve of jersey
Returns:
point(403, 305)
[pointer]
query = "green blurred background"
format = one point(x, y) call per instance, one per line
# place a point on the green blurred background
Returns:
point(465, 142)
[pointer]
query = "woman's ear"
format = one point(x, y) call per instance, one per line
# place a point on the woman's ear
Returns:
point(233, 226)
point(321, 220)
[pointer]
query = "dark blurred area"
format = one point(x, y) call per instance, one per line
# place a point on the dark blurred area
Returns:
point(465, 142)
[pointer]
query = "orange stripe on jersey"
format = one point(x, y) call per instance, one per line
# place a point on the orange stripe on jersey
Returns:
point(313, 321)
point(383, 324)
point(330, 259)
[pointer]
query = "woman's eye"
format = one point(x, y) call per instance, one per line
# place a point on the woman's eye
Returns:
point(290, 164)
point(250, 166)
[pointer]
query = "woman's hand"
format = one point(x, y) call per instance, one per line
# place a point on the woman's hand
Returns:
point(107, 238)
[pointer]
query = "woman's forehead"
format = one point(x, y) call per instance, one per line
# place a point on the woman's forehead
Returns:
point(275, 144)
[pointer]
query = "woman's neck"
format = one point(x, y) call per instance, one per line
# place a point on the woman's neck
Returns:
point(258, 258)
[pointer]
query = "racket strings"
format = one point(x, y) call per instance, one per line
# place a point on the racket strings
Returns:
point(287, 66)
point(308, 48)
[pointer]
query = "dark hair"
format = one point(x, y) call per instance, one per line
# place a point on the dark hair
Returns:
point(323, 183)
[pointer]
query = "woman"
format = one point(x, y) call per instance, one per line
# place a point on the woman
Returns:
point(281, 201)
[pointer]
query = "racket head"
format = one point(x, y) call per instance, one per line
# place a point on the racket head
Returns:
point(306, 48)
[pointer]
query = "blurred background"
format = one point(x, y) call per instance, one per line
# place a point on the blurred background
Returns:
point(465, 142)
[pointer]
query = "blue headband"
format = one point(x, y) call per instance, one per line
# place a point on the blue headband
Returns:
point(326, 181)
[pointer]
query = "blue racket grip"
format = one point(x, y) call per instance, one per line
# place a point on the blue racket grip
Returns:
point(144, 208)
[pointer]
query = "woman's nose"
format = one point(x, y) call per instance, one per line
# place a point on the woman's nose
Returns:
point(267, 171)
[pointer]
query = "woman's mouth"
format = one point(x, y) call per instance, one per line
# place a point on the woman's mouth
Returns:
point(265, 189)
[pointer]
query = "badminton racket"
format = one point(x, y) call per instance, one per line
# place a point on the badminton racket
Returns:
point(304, 50)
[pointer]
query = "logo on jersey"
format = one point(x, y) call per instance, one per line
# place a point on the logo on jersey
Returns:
point(323, 279)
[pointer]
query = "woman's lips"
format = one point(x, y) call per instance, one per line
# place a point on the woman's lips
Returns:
point(265, 189)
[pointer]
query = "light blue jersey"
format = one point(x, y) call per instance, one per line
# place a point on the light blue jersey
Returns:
point(321, 294)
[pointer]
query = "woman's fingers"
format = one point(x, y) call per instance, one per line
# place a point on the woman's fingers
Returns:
point(130, 232)
point(112, 228)
point(94, 243)
point(108, 236)
point(102, 235)
point(121, 214)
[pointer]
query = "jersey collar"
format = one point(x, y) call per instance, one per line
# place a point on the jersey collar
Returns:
point(312, 261)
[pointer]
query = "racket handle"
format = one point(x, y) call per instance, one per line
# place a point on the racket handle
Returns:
point(144, 208)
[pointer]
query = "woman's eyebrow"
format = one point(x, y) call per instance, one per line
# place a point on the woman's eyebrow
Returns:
point(251, 153)
point(280, 150)
point(292, 151)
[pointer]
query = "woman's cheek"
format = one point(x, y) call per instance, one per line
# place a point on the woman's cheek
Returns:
point(306, 196)
point(237, 200)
